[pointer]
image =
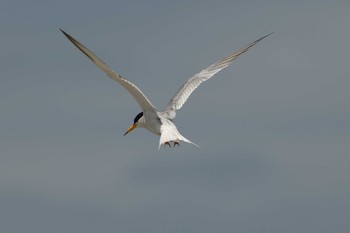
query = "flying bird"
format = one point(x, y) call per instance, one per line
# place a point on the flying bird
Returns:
point(161, 123)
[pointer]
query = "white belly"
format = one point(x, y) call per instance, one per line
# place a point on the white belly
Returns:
point(153, 125)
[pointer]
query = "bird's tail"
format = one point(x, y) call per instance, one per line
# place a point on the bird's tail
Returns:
point(188, 141)
point(167, 137)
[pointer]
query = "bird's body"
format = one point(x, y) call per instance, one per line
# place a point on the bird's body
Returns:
point(161, 123)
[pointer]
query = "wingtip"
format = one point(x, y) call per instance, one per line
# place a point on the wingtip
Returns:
point(65, 33)
point(269, 34)
point(265, 36)
point(258, 40)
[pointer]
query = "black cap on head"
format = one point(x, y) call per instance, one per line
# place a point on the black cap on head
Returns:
point(137, 118)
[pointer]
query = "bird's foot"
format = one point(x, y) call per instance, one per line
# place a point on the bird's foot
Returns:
point(175, 143)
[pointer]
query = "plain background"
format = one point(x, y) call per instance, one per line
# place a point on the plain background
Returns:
point(274, 127)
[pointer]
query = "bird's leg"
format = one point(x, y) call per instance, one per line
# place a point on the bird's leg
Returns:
point(167, 143)
point(176, 143)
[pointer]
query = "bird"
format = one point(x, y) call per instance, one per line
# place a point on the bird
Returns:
point(161, 123)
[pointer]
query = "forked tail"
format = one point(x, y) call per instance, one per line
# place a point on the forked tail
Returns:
point(167, 138)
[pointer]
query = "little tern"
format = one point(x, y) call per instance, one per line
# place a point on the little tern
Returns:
point(161, 123)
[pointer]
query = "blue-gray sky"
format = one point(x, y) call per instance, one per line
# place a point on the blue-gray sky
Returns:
point(274, 127)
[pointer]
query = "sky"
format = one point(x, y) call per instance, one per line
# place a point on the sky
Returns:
point(273, 128)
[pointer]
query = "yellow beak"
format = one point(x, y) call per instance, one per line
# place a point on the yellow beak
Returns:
point(131, 128)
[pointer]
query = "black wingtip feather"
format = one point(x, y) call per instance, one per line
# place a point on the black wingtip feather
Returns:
point(63, 32)
point(77, 44)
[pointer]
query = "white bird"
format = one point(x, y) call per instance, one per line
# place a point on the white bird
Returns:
point(161, 123)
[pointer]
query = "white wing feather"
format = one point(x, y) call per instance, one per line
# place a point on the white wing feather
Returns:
point(141, 99)
point(187, 88)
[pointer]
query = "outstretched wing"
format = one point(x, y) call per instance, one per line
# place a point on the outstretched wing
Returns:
point(141, 99)
point(187, 88)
